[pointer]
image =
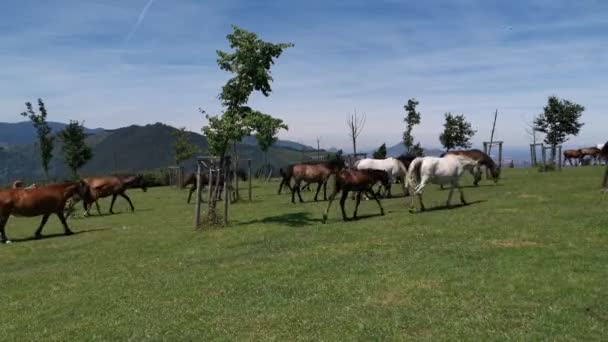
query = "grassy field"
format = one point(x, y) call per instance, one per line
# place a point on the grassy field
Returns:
point(527, 260)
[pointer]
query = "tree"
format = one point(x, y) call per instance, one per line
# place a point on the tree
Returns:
point(457, 132)
point(266, 129)
point(355, 125)
point(380, 153)
point(250, 63)
point(43, 130)
point(560, 118)
point(75, 151)
point(412, 118)
point(184, 150)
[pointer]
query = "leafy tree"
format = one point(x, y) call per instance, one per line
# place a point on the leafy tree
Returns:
point(75, 151)
point(412, 118)
point(457, 132)
point(380, 153)
point(43, 130)
point(266, 129)
point(559, 119)
point(250, 63)
point(184, 150)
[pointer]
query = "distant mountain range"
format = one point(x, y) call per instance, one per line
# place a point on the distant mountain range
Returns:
point(22, 133)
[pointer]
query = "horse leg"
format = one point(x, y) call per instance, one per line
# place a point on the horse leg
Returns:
point(97, 207)
point(123, 195)
point(112, 204)
point(377, 201)
point(461, 194)
point(42, 223)
point(388, 189)
point(450, 196)
point(331, 200)
point(318, 189)
point(357, 205)
point(342, 201)
point(190, 195)
point(300, 193)
point(294, 189)
point(325, 190)
point(422, 208)
point(66, 230)
point(3, 220)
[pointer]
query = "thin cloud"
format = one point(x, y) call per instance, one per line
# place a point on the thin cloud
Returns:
point(140, 19)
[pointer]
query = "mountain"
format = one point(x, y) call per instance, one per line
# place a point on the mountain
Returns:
point(399, 149)
point(129, 149)
point(22, 133)
point(290, 145)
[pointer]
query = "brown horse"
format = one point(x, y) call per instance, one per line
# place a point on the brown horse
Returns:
point(191, 180)
point(604, 154)
point(45, 200)
point(314, 173)
point(287, 174)
point(592, 152)
point(483, 160)
point(111, 186)
point(570, 155)
point(359, 181)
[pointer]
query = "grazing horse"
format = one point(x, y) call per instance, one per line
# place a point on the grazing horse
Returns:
point(111, 186)
point(314, 173)
point(360, 181)
point(45, 200)
point(592, 152)
point(570, 155)
point(482, 159)
point(191, 180)
point(443, 170)
point(392, 166)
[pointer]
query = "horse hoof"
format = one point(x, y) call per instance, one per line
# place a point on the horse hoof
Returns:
point(69, 232)
point(37, 236)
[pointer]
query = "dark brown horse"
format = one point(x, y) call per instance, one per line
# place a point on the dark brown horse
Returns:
point(314, 173)
point(604, 155)
point(111, 186)
point(287, 174)
point(191, 181)
point(359, 181)
point(45, 201)
point(570, 155)
point(592, 152)
point(483, 160)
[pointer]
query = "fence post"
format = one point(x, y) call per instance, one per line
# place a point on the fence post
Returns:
point(249, 177)
point(197, 215)
point(227, 163)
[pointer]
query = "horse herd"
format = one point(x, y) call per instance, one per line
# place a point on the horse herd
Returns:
point(413, 173)
point(60, 198)
point(579, 155)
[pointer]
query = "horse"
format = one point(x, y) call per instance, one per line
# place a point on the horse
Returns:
point(111, 186)
point(592, 152)
point(442, 170)
point(45, 200)
point(570, 155)
point(483, 160)
point(360, 181)
point(392, 166)
point(406, 159)
point(191, 180)
point(604, 154)
point(314, 173)
point(287, 175)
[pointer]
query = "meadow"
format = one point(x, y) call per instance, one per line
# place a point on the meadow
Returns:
point(526, 260)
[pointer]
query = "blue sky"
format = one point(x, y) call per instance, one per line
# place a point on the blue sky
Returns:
point(110, 63)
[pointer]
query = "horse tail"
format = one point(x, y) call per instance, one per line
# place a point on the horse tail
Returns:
point(402, 168)
point(413, 175)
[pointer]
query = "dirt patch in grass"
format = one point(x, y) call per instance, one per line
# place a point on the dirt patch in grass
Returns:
point(531, 196)
point(515, 243)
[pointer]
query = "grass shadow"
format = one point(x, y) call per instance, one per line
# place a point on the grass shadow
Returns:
point(451, 207)
point(56, 235)
point(301, 219)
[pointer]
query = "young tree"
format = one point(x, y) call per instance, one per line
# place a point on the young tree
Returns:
point(412, 118)
point(75, 151)
point(559, 119)
point(457, 132)
point(380, 153)
point(43, 130)
point(266, 129)
point(184, 150)
point(355, 125)
point(250, 63)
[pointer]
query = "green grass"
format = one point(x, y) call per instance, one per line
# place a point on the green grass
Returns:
point(528, 260)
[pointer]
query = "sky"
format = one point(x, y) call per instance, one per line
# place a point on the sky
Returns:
point(112, 63)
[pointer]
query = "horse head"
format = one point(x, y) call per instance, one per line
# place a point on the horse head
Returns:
point(495, 172)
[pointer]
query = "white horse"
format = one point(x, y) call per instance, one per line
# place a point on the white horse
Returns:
point(445, 170)
point(393, 167)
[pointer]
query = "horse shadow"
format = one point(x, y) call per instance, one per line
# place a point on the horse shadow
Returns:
point(294, 220)
point(57, 235)
point(451, 207)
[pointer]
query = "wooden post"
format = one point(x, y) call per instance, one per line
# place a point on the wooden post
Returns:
point(485, 148)
point(500, 155)
point(210, 185)
point(227, 163)
point(544, 157)
point(492, 135)
point(249, 177)
point(532, 152)
point(197, 213)
point(559, 158)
